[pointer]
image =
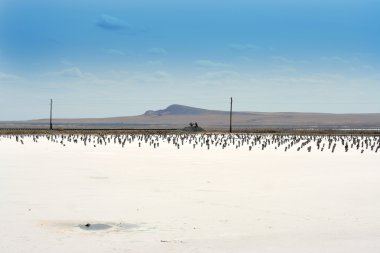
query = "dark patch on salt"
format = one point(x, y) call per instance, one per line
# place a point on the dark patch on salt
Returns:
point(89, 226)
point(114, 226)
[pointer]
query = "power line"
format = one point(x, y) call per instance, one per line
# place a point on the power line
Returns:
point(51, 114)
point(231, 116)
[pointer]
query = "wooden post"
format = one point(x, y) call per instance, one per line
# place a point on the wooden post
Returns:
point(51, 114)
point(231, 116)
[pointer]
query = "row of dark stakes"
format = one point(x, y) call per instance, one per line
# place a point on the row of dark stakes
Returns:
point(207, 141)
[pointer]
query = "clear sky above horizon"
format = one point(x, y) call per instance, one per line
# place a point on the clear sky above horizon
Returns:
point(100, 58)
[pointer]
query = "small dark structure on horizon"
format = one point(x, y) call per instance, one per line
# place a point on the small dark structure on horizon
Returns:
point(193, 127)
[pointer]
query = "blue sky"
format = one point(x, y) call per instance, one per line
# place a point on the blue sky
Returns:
point(112, 58)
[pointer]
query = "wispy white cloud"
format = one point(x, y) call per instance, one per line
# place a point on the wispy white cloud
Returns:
point(73, 72)
point(161, 75)
point(243, 47)
point(336, 59)
point(221, 75)
point(157, 51)
point(9, 77)
point(66, 62)
point(353, 64)
point(211, 64)
point(281, 59)
point(368, 67)
point(284, 69)
point(220, 79)
point(153, 63)
point(111, 23)
point(114, 51)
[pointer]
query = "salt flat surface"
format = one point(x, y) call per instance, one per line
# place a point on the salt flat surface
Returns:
point(145, 199)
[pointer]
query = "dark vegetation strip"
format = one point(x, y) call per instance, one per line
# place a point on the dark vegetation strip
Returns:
point(152, 131)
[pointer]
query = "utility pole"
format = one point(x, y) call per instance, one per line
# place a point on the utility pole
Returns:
point(51, 114)
point(231, 116)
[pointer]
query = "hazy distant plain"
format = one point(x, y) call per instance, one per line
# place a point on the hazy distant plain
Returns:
point(179, 116)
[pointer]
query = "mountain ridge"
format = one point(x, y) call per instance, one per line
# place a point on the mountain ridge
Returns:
point(177, 109)
point(179, 116)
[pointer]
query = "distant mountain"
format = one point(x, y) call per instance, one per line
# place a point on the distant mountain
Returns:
point(181, 110)
point(179, 116)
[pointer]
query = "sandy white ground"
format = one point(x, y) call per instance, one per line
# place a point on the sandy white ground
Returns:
point(186, 200)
